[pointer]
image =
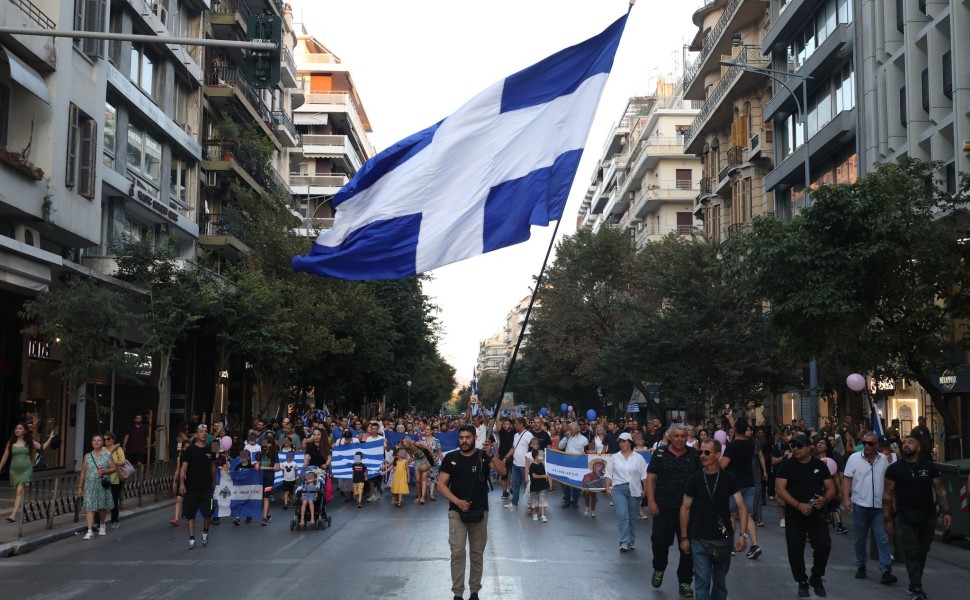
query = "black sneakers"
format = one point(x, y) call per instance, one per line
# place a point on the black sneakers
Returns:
point(860, 573)
point(888, 578)
point(817, 586)
point(803, 589)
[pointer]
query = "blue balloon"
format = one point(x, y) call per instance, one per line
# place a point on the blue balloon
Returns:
point(563, 407)
point(590, 414)
point(543, 411)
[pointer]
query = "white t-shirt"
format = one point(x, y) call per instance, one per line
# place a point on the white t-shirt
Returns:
point(289, 469)
point(481, 432)
point(520, 442)
point(254, 448)
point(867, 479)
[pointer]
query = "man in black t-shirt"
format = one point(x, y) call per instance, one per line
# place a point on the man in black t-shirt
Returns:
point(705, 522)
point(667, 475)
point(738, 458)
point(462, 480)
point(910, 484)
point(198, 480)
point(505, 435)
point(805, 486)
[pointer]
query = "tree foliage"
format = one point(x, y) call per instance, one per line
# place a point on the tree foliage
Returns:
point(873, 276)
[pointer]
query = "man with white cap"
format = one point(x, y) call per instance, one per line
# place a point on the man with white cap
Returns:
point(626, 476)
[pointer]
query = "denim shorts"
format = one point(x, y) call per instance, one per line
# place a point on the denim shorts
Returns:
point(748, 495)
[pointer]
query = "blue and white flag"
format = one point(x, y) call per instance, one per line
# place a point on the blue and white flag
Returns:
point(239, 494)
point(877, 427)
point(343, 458)
point(474, 182)
point(474, 381)
point(584, 471)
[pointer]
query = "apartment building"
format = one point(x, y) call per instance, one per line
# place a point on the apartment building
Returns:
point(815, 41)
point(603, 205)
point(333, 125)
point(661, 183)
point(729, 132)
point(493, 354)
point(103, 142)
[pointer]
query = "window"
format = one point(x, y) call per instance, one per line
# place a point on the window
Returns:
point(900, 16)
point(82, 147)
point(924, 89)
point(142, 71)
point(685, 222)
point(144, 156)
point(902, 107)
point(180, 182)
point(134, 231)
point(4, 113)
point(160, 8)
point(947, 73)
point(181, 100)
point(115, 47)
point(845, 11)
point(89, 16)
point(684, 177)
point(110, 132)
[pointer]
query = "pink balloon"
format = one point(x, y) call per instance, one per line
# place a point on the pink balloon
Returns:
point(831, 465)
point(226, 442)
point(720, 436)
point(570, 408)
point(855, 382)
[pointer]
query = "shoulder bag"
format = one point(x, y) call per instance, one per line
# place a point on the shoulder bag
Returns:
point(473, 515)
point(124, 468)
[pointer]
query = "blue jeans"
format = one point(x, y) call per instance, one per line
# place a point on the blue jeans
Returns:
point(864, 519)
point(570, 495)
point(710, 579)
point(518, 477)
point(626, 513)
point(747, 494)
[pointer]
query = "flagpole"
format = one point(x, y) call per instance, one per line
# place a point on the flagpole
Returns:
point(528, 312)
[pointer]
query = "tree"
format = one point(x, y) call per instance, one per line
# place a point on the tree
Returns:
point(694, 334)
point(873, 276)
point(174, 305)
point(86, 322)
point(581, 311)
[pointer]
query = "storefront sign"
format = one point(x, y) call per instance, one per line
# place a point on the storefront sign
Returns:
point(881, 385)
point(38, 349)
point(953, 381)
point(153, 203)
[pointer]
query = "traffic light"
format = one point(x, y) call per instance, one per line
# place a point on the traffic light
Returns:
point(263, 66)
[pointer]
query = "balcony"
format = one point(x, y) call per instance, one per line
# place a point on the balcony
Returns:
point(737, 14)
point(227, 84)
point(230, 13)
point(715, 109)
point(314, 185)
point(225, 156)
point(342, 110)
point(650, 151)
point(333, 146)
point(655, 194)
point(707, 186)
point(737, 229)
point(735, 157)
point(220, 235)
point(285, 129)
point(287, 68)
point(39, 51)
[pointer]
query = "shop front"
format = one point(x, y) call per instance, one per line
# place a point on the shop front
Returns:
point(42, 406)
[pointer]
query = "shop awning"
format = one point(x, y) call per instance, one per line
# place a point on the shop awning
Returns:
point(24, 74)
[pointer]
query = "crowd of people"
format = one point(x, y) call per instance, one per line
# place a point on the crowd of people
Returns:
point(707, 486)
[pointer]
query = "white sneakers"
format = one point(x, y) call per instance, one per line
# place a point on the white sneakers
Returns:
point(592, 513)
point(191, 543)
point(782, 524)
point(535, 517)
point(89, 535)
point(205, 539)
point(544, 519)
point(586, 512)
point(103, 530)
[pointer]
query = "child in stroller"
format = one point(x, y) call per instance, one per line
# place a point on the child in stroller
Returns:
point(310, 496)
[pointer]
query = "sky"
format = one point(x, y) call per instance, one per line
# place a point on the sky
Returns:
point(416, 61)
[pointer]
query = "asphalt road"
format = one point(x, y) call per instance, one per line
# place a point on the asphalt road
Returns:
point(381, 551)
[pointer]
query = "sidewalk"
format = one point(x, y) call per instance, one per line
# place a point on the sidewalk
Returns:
point(36, 534)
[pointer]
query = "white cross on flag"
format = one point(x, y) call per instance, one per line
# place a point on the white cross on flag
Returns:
point(474, 182)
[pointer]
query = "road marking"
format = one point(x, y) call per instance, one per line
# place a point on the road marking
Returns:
point(172, 588)
point(503, 586)
point(75, 588)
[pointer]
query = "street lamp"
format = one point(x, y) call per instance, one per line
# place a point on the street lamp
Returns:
point(801, 104)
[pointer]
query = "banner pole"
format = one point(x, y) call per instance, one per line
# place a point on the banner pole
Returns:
point(528, 312)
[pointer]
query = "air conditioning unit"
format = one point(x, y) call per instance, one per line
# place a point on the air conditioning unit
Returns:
point(27, 235)
point(211, 179)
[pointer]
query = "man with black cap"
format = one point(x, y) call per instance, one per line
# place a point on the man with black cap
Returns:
point(738, 458)
point(805, 486)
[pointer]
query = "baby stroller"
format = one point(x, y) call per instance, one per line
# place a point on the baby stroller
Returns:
point(322, 491)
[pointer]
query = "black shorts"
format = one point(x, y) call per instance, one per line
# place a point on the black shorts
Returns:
point(195, 501)
point(136, 458)
point(288, 486)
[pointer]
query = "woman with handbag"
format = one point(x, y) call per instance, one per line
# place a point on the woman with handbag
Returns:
point(421, 454)
point(94, 485)
point(116, 462)
point(434, 457)
point(21, 451)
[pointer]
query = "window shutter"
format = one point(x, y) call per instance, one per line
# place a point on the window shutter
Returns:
point(70, 177)
point(88, 168)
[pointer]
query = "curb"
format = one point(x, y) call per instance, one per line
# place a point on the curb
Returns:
point(38, 540)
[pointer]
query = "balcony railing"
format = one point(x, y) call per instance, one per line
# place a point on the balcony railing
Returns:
point(711, 41)
point(234, 76)
point(707, 186)
point(281, 119)
point(750, 56)
point(231, 7)
point(286, 59)
point(219, 224)
point(735, 157)
point(34, 14)
point(323, 180)
point(737, 229)
point(225, 150)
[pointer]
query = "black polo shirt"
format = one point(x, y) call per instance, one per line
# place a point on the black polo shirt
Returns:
point(672, 473)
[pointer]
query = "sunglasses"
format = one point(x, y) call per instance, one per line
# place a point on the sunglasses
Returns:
point(707, 452)
point(864, 443)
point(796, 446)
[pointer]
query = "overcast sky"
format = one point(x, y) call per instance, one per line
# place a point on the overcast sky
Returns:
point(415, 62)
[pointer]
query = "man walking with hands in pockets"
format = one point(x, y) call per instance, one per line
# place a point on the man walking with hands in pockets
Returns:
point(463, 482)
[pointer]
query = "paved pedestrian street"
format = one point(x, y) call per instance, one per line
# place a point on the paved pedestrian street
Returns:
point(383, 552)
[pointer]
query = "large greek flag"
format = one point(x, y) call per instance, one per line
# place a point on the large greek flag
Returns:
point(343, 458)
point(474, 182)
point(239, 494)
